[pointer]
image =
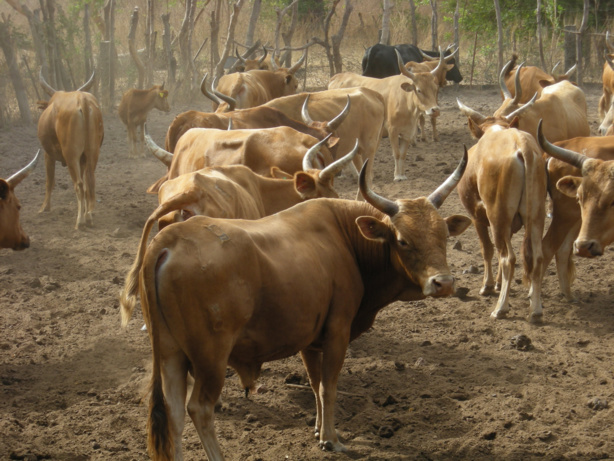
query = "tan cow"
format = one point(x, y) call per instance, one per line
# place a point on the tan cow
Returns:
point(607, 78)
point(562, 106)
point(594, 192)
point(532, 79)
point(260, 150)
point(264, 62)
point(504, 188)
point(255, 87)
point(310, 279)
point(133, 109)
point(11, 233)
point(406, 96)
point(70, 130)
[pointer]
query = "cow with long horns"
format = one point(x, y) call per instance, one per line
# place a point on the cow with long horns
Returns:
point(70, 130)
point(310, 279)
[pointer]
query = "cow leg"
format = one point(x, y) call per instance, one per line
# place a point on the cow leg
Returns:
point(174, 380)
point(434, 127)
point(422, 131)
point(487, 254)
point(89, 182)
point(76, 174)
point(604, 104)
point(399, 150)
point(132, 140)
point(140, 149)
point(49, 184)
point(507, 261)
point(565, 266)
point(312, 360)
point(532, 248)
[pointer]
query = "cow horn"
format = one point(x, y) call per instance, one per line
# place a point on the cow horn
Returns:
point(232, 103)
point(607, 42)
point(517, 87)
point(24, 172)
point(162, 155)
point(521, 109)
point(566, 155)
point(425, 56)
point(402, 69)
point(441, 193)
point(298, 63)
point(310, 155)
point(469, 112)
point(334, 123)
point(554, 68)
point(229, 124)
point(332, 170)
point(239, 56)
point(274, 66)
point(87, 85)
point(305, 112)
point(436, 70)
point(261, 60)
point(449, 57)
point(504, 71)
point(571, 70)
point(48, 89)
point(609, 60)
point(384, 205)
point(206, 92)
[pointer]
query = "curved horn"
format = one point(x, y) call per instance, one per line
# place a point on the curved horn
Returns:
point(448, 58)
point(261, 60)
point(384, 205)
point(334, 123)
point(232, 103)
point(566, 155)
point(298, 63)
point(332, 170)
point(521, 109)
point(229, 124)
point(402, 69)
point(436, 70)
point(206, 92)
point(441, 193)
point(310, 155)
point(274, 66)
point(517, 87)
point(609, 60)
point(48, 89)
point(425, 56)
point(607, 42)
point(571, 70)
point(87, 85)
point(24, 172)
point(469, 112)
point(554, 68)
point(162, 155)
point(305, 112)
point(239, 56)
point(504, 71)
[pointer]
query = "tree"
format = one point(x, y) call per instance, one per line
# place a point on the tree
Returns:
point(333, 55)
point(8, 47)
point(385, 36)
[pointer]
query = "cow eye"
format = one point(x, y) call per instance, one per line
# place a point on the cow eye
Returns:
point(186, 214)
point(402, 243)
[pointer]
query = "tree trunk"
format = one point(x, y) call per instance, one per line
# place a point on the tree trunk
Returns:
point(230, 37)
point(326, 42)
point(214, 25)
point(171, 63)
point(287, 36)
point(385, 36)
point(414, 26)
point(110, 25)
point(87, 50)
point(280, 16)
point(7, 46)
point(456, 31)
point(338, 37)
point(140, 67)
point(583, 27)
point(434, 25)
point(253, 20)
point(36, 28)
point(540, 42)
point(499, 34)
point(150, 44)
point(185, 45)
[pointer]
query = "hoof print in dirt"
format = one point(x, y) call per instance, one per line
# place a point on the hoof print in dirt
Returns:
point(521, 342)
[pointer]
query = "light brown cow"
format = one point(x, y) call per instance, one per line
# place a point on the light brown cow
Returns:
point(308, 279)
point(12, 234)
point(70, 130)
point(264, 62)
point(594, 192)
point(406, 96)
point(562, 106)
point(253, 88)
point(607, 78)
point(504, 188)
point(133, 110)
point(532, 79)
point(259, 150)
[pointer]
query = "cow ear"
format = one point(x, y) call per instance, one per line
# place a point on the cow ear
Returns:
point(332, 141)
point(457, 224)
point(474, 128)
point(277, 173)
point(409, 87)
point(515, 122)
point(544, 83)
point(372, 228)
point(4, 189)
point(569, 185)
point(304, 184)
point(288, 79)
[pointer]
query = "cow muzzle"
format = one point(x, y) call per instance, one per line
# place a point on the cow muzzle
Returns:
point(23, 243)
point(587, 248)
point(433, 112)
point(439, 285)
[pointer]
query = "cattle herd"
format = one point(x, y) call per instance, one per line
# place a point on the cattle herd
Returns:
point(257, 259)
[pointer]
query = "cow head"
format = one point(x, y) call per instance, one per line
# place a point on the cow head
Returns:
point(252, 64)
point(290, 80)
point(416, 234)
point(423, 85)
point(478, 124)
point(51, 91)
point(160, 98)
point(510, 106)
point(328, 127)
point(11, 234)
point(594, 192)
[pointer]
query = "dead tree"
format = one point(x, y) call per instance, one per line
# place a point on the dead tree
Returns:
point(253, 20)
point(434, 21)
point(214, 27)
point(230, 37)
point(333, 55)
point(385, 35)
point(184, 38)
point(140, 67)
point(540, 41)
point(8, 47)
point(87, 49)
point(287, 58)
point(579, 36)
point(36, 29)
point(171, 62)
point(456, 30)
point(499, 34)
point(150, 44)
point(414, 26)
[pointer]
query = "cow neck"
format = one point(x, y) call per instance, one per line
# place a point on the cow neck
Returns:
point(280, 194)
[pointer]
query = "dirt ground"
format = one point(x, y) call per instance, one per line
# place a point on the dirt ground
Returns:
point(433, 380)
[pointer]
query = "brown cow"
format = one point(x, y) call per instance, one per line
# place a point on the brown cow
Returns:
point(406, 96)
point(607, 78)
point(11, 233)
point(262, 63)
point(259, 150)
point(70, 130)
point(532, 79)
point(255, 87)
point(133, 110)
point(310, 279)
point(504, 188)
point(594, 192)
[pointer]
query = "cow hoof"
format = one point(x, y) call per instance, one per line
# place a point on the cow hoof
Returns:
point(487, 290)
point(535, 318)
point(400, 178)
point(332, 446)
point(499, 314)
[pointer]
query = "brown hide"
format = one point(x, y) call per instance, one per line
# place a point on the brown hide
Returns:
point(133, 109)
point(607, 78)
point(71, 131)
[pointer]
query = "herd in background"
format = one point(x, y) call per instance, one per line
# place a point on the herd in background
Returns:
point(252, 270)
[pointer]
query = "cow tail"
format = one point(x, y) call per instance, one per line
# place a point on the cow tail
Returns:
point(160, 444)
point(528, 246)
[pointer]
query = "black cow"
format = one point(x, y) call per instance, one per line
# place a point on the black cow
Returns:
point(380, 61)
